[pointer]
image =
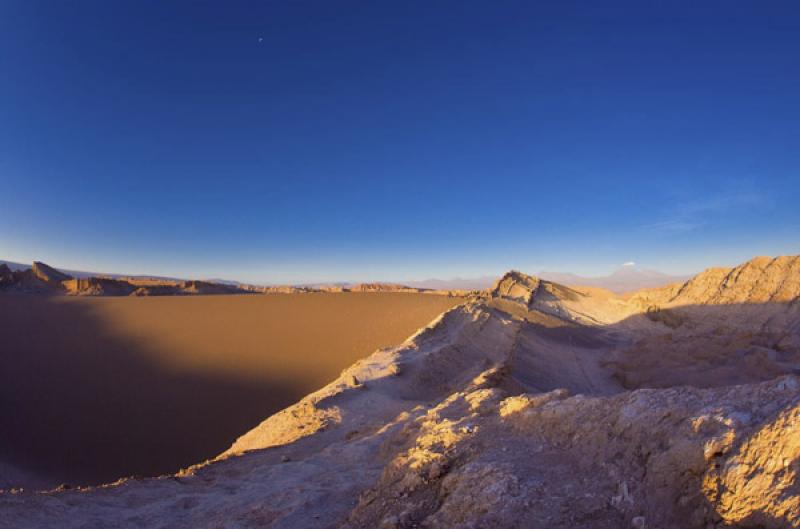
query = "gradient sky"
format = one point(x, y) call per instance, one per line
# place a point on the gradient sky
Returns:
point(313, 141)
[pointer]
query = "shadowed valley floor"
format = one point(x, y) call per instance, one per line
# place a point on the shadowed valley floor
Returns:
point(93, 389)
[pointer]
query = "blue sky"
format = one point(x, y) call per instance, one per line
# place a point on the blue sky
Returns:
point(314, 141)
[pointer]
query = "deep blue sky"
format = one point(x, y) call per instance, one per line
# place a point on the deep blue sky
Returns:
point(309, 141)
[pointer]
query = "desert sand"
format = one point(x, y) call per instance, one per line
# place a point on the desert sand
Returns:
point(533, 405)
point(94, 389)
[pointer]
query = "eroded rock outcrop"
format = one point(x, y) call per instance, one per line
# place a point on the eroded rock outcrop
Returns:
point(674, 458)
point(39, 279)
point(98, 286)
point(516, 286)
point(758, 281)
point(42, 278)
point(48, 274)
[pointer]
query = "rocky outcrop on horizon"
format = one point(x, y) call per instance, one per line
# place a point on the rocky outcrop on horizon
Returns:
point(383, 287)
point(41, 278)
point(48, 274)
point(626, 278)
point(98, 286)
point(44, 279)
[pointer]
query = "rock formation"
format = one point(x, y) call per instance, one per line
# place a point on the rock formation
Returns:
point(98, 286)
point(48, 274)
point(383, 287)
point(41, 278)
point(760, 280)
point(204, 287)
point(533, 405)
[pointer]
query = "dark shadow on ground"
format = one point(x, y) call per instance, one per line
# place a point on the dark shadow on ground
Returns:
point(79, 405)
point(83, 403)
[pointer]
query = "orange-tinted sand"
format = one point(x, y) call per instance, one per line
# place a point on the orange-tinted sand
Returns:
point(92, 389)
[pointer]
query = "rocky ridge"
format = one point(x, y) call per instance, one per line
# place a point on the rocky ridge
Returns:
point(532, 405)
point(760, 280)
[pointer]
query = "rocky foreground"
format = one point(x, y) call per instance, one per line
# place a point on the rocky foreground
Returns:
point(533, 405)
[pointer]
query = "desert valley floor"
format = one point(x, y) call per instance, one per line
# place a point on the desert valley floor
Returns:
point(97, 388)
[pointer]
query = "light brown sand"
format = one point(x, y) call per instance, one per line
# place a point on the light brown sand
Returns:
point(92, 389)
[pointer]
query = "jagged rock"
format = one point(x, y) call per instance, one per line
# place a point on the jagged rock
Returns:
point(204, 287)
point(760, 280)
point(157, 290)
point(40, 278)
point(98, 286)
point(48, 274)
point(516, 286)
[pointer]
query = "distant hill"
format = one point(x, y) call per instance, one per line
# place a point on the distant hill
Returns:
point(82, 274)
point(626, 278)
point(456, 283)
point(39, 278)
point(15, 266)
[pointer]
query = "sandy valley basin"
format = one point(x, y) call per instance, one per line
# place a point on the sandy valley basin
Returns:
point(97, 388)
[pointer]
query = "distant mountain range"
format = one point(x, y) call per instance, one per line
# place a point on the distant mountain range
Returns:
point(626, 278)
point(456, 283)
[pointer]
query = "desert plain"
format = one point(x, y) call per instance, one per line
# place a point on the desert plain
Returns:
point(98, 388)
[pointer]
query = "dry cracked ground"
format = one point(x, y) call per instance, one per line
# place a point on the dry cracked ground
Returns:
point(533, 405)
